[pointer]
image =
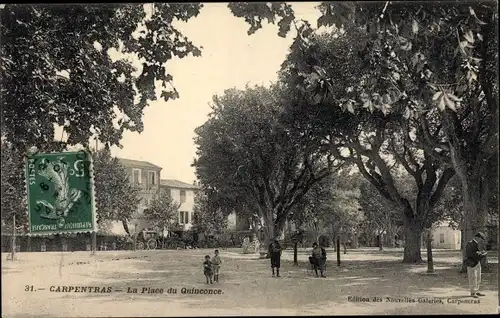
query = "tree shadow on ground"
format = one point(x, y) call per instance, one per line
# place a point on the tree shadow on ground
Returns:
point(248, 283)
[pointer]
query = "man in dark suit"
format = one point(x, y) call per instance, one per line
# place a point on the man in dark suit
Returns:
point(275, 255)
point(473, 255)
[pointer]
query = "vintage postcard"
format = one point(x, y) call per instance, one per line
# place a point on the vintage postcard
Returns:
point(249, 159)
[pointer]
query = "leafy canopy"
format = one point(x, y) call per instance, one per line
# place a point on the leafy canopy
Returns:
point(162, 211)
point(117, 198)
point(55, 68)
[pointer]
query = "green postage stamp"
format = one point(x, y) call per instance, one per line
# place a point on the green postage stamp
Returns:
point(60, 193)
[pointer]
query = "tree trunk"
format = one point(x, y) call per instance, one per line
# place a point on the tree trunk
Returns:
point(430, 261)
point(474, 213)
point(337, 248)
point(354, 242)
point(268, 231)
point(391, 242)
point(94, 242)
point(295, 262)
point(413, 239)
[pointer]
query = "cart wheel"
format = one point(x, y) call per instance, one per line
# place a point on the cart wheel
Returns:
point(140, 246)
point(152, 244)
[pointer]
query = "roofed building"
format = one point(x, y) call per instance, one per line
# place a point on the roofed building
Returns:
point(182, 193)
point(146, 176)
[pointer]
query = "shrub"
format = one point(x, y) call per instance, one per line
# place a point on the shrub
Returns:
point(173, 243)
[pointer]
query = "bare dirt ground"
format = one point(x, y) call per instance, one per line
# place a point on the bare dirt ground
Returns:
point(246, 285)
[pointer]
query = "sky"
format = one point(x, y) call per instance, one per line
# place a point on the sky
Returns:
point(230, 58)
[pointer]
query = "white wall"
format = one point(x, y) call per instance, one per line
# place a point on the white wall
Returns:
point(231, 221)
point(187, 206)
point(117, 227)
point(450, 236)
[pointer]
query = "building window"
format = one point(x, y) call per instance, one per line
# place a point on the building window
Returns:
point(441, 238)
point(183, 217)
point(136, 176)
point(152, 177)
point(183, 196)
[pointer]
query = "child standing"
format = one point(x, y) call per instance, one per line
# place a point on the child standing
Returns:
point(207, 269)
point(216, 261)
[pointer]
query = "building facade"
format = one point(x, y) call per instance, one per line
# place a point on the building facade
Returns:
point(146, 176)
point(444, 236)
point(182, 193)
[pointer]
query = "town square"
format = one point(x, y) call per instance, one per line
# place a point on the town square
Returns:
point(249, 159)
point(363, 274)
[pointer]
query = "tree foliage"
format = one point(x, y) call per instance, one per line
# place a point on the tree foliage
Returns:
point(41, 41)
point(209, 217)
point(13, 190)
point(117, 198)
point(381, 215)
point(162, 210)
point(331, 206)
point(434, 65)
point(248, 148)
point(379, 144)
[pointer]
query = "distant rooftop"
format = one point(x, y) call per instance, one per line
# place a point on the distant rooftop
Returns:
point(137, 163)
point(171, 183)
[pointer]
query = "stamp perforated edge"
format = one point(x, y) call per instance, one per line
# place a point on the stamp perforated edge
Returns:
point(92, 182)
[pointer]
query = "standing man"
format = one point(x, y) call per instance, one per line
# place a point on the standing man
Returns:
point(275, 254)
point(318, 259)
point(473, 255)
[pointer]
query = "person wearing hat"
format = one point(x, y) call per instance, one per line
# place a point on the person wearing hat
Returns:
point(473, 256)
point(275, 255)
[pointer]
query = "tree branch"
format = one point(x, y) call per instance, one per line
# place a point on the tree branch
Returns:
point(427, 135)
point(443, 181)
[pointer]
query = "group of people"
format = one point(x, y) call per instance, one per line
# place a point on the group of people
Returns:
point(211, 267)
point(317, 258)
point(474, 253)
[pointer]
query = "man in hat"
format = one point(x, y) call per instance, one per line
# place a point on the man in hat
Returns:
point(473, 255)
point(275, 255)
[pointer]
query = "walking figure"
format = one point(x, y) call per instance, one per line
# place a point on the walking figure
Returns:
point(275, 254)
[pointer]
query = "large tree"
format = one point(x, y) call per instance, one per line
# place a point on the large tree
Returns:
point(331, 206)
point(424, 62)
point(375, 140)
point(247, 144)
point(209, 214)
point(162, 210)
point(381, 215)
point(444, 57)
point(55, 68)
point(13, 190)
